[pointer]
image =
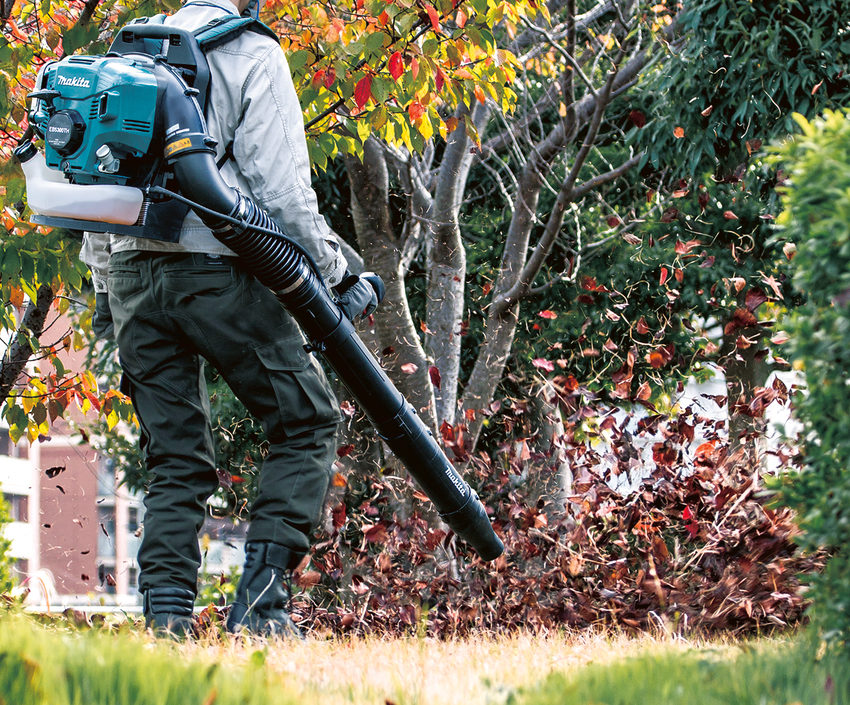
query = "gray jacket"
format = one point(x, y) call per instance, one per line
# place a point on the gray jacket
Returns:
point(252, 103)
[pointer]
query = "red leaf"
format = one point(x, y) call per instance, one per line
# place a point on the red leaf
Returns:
point(551, 315)
point(377, 533)
point(434, 373)
point(687, 514)
point(237, 479)
point(642, 327)
point(664, 274)
point(434, 16)
point(330, 77)
point(729, 215)
point(318, 78)
point(363, 91)
point(440, 80)
point(543, 364)
point(613, 221)
point(396, 65)
point(754, 298)
point(637, 118)
point(342, 451)
point(338, 513)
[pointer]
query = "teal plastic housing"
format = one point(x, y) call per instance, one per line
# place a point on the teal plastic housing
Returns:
point(116, 97)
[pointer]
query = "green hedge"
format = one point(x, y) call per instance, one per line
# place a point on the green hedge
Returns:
point(816, 220)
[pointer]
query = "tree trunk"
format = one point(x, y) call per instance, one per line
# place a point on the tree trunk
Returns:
point(447, 265)
point(402, 354)
point(549, 473)
point(745, 371)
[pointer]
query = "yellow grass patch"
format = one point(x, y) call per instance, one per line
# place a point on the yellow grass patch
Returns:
point(426, 671)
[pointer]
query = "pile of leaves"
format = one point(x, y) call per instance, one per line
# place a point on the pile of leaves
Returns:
point(694, 547)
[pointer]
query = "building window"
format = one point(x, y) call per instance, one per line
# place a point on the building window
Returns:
point(105, 478)
point(18, 506)
point(106, 532)
point(6, 445)
point(106, 576)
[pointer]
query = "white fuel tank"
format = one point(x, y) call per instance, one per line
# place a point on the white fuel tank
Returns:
point(48, 193)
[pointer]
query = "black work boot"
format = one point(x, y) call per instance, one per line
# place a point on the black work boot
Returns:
point(262, 595)
point(168, 611)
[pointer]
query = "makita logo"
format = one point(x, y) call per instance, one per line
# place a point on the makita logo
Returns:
point(76, 81)
point(61, 130)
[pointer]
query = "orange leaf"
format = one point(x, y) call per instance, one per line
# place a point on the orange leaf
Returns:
point(655, 359)
point(451, 124)
point(461, 19)
point(415, 110)
point(679, 132)
point(551, 315)
point(664, 274)
point(479, 94)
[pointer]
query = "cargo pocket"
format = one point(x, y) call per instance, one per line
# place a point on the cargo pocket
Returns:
point(304, 398)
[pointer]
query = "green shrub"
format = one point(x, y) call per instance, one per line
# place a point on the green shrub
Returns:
point(816, 219)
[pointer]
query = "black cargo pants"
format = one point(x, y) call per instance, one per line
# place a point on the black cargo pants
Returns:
point(170, 312)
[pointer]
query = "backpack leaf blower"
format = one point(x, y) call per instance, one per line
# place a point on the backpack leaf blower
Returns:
point(123, 134)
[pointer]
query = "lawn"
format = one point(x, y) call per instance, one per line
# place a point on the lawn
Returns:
point(60, 664)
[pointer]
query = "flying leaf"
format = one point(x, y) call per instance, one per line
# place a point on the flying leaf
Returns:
point(543, 364)
point(434, 373)
point(551, 315)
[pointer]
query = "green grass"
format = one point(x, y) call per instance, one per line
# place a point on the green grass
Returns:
point(772, 672)
point(66, 666)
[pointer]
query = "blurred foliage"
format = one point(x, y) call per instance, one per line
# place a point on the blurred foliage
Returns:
point(735, 73)
point(816, 221)
point(6, 560)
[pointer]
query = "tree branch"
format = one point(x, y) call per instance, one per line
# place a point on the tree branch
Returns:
point(18, 353)
point(523, 282)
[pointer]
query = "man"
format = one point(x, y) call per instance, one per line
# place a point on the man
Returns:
point(175, 303)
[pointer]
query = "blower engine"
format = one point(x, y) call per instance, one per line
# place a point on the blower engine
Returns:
point(124, 134)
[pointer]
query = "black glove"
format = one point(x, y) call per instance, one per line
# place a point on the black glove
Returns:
point(101, 321)
point(359, 295)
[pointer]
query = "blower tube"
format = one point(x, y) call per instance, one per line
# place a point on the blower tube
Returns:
point(279, 265)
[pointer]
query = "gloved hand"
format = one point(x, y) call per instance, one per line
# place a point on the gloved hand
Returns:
point(359, 295)
point(101, 322)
